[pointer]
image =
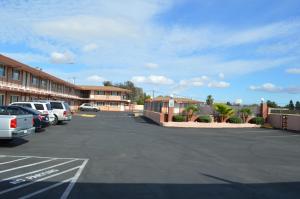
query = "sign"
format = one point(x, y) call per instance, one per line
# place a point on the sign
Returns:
point(171, 103)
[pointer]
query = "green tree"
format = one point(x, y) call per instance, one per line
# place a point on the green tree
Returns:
point(210, 100)
point(190, 111)
point(291, 105)
point(272, 104)
point(224, 111)
point(245, 113)
point(297, 106)
point(107, 83)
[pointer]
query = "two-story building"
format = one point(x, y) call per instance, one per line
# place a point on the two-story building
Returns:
point(20, 82)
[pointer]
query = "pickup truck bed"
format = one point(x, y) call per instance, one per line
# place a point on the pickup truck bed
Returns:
point(12, 126)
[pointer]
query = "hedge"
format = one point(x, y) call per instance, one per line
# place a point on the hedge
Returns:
point(235, 120)
point(257, 120)
point(204, 118)
point(178, 118)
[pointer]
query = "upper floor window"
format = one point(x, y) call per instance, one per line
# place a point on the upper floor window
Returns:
point(99, 93)
point(2, 70)
point(44, 83)
point(34, 80)
point(15, 74)
point(114, 93)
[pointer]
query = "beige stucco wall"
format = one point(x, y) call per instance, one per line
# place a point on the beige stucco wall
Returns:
point(275, 120)
point(293, 121)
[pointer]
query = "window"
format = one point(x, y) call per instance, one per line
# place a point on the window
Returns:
point(100, 103)
point(49, 108)
point(14, 98)
point(114, 93)
point(2, 70)
point(15, 111)
point(1, 100)
point(39, 107)
point(56, 105)
point(34, 80)
point(99, 93)
point(15, 74)
point(67, 106)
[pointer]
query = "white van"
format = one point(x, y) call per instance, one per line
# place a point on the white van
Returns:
point(43, 107)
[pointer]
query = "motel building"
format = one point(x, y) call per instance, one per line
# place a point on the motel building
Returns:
point(161, 104)
point(20, 82)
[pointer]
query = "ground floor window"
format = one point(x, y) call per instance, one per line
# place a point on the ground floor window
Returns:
point(100, 103)
point(14, 98)
point(1, 99)
point(114, 104)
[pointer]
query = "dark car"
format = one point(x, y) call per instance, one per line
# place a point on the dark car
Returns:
point(40, 121)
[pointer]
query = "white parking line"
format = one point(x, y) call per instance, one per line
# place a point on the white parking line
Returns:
point(281, 136)
point(14, 160)
point(24, 174)
point(45, 189)
point(74, 180)
point(27, 165)
point(30, 183)
point(39, 157)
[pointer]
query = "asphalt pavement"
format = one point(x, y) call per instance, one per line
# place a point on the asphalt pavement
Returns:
point(115, 155)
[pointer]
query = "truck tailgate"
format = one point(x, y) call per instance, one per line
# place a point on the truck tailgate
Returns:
point(24, 122)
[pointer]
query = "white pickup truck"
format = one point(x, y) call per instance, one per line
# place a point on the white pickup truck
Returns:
point(14, 124)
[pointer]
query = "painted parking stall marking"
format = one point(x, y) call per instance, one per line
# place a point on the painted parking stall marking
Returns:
point(31, 176)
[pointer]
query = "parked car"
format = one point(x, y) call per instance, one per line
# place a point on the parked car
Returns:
point(43, 107)
point(14, 123)
point(88, 107)
point(61, 110)
point(40, 121)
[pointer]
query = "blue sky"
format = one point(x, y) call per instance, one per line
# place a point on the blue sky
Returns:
point(232, 49)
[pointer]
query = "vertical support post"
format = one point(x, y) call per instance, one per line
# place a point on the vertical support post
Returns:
point(264, 110)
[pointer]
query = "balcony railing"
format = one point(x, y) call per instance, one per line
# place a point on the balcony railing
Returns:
point(108, 97)
point(32, 90)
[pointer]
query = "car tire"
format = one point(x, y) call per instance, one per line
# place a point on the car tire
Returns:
point(55, 121)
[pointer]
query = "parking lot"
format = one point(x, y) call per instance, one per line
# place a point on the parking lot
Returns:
point(114, 155)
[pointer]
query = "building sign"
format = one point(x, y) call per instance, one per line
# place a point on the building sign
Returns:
point(171, 103)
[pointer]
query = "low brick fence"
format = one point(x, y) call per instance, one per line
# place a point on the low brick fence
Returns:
point(292, 121)
point(154, 116)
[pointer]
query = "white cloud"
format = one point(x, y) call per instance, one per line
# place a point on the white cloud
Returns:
point(272, 88)
point(152, 79)
point(293, 71)
point(95, 78)
point(89, 47)
point(62, 58)
point(151, 65)
point(220, 84)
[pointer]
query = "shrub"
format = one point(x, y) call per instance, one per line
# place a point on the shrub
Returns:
point(235, 120)
point(257, 120)
point(178, 118)
point(204, 118)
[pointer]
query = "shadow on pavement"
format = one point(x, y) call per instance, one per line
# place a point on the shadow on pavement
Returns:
point(12, 143)
point(280, 190)
point(142, 119)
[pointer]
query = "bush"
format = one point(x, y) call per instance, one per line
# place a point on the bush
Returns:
point(257, 120)
point(235, 120)
point(178, 118)
point(204, 118)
